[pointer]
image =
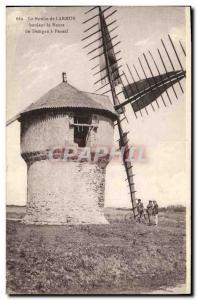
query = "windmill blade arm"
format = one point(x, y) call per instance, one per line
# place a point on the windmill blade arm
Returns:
point(124, 142)
point(141, 85)
point(147, 96)
point(153, 95)
point(125, 149)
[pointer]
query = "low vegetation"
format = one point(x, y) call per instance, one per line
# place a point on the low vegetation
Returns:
point(173, 208)
point(123, 257)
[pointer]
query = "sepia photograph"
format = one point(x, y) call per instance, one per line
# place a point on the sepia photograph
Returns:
point(98, 150)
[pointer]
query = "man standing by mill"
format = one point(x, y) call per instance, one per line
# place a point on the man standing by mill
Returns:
point(155, 212)
point(149, 210)
point(152, 212)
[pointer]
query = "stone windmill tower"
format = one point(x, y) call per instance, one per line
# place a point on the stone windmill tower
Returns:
point(62, 186)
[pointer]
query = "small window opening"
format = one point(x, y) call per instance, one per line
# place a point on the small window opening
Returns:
point(82, 126)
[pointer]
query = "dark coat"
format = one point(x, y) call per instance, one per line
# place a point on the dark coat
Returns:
point(156, 209)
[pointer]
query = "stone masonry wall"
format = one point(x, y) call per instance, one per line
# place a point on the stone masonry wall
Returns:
point(50, 132)
point(59, 191)
point(53, 131)
point(65, 193)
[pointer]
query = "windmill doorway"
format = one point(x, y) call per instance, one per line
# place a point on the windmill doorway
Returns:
point(82, 125)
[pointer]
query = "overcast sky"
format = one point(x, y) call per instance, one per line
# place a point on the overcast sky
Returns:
point(35, 63)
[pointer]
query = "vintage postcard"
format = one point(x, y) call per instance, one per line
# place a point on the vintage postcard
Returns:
point(98, 150)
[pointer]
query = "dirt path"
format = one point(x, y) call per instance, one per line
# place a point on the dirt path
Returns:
point(179, 289)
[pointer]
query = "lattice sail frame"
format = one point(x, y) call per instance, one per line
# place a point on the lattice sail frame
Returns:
point(110, 71)
point(139, 94)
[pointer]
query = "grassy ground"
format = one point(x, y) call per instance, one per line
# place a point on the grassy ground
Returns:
point(123, 257)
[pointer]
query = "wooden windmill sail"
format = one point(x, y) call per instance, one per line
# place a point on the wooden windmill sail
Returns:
point(102, 47)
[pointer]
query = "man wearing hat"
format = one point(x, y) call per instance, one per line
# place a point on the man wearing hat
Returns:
point(155, 212)
point(149, 210)
point(140, 210)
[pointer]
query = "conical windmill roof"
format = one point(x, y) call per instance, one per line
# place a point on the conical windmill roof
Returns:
point(65, 95)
